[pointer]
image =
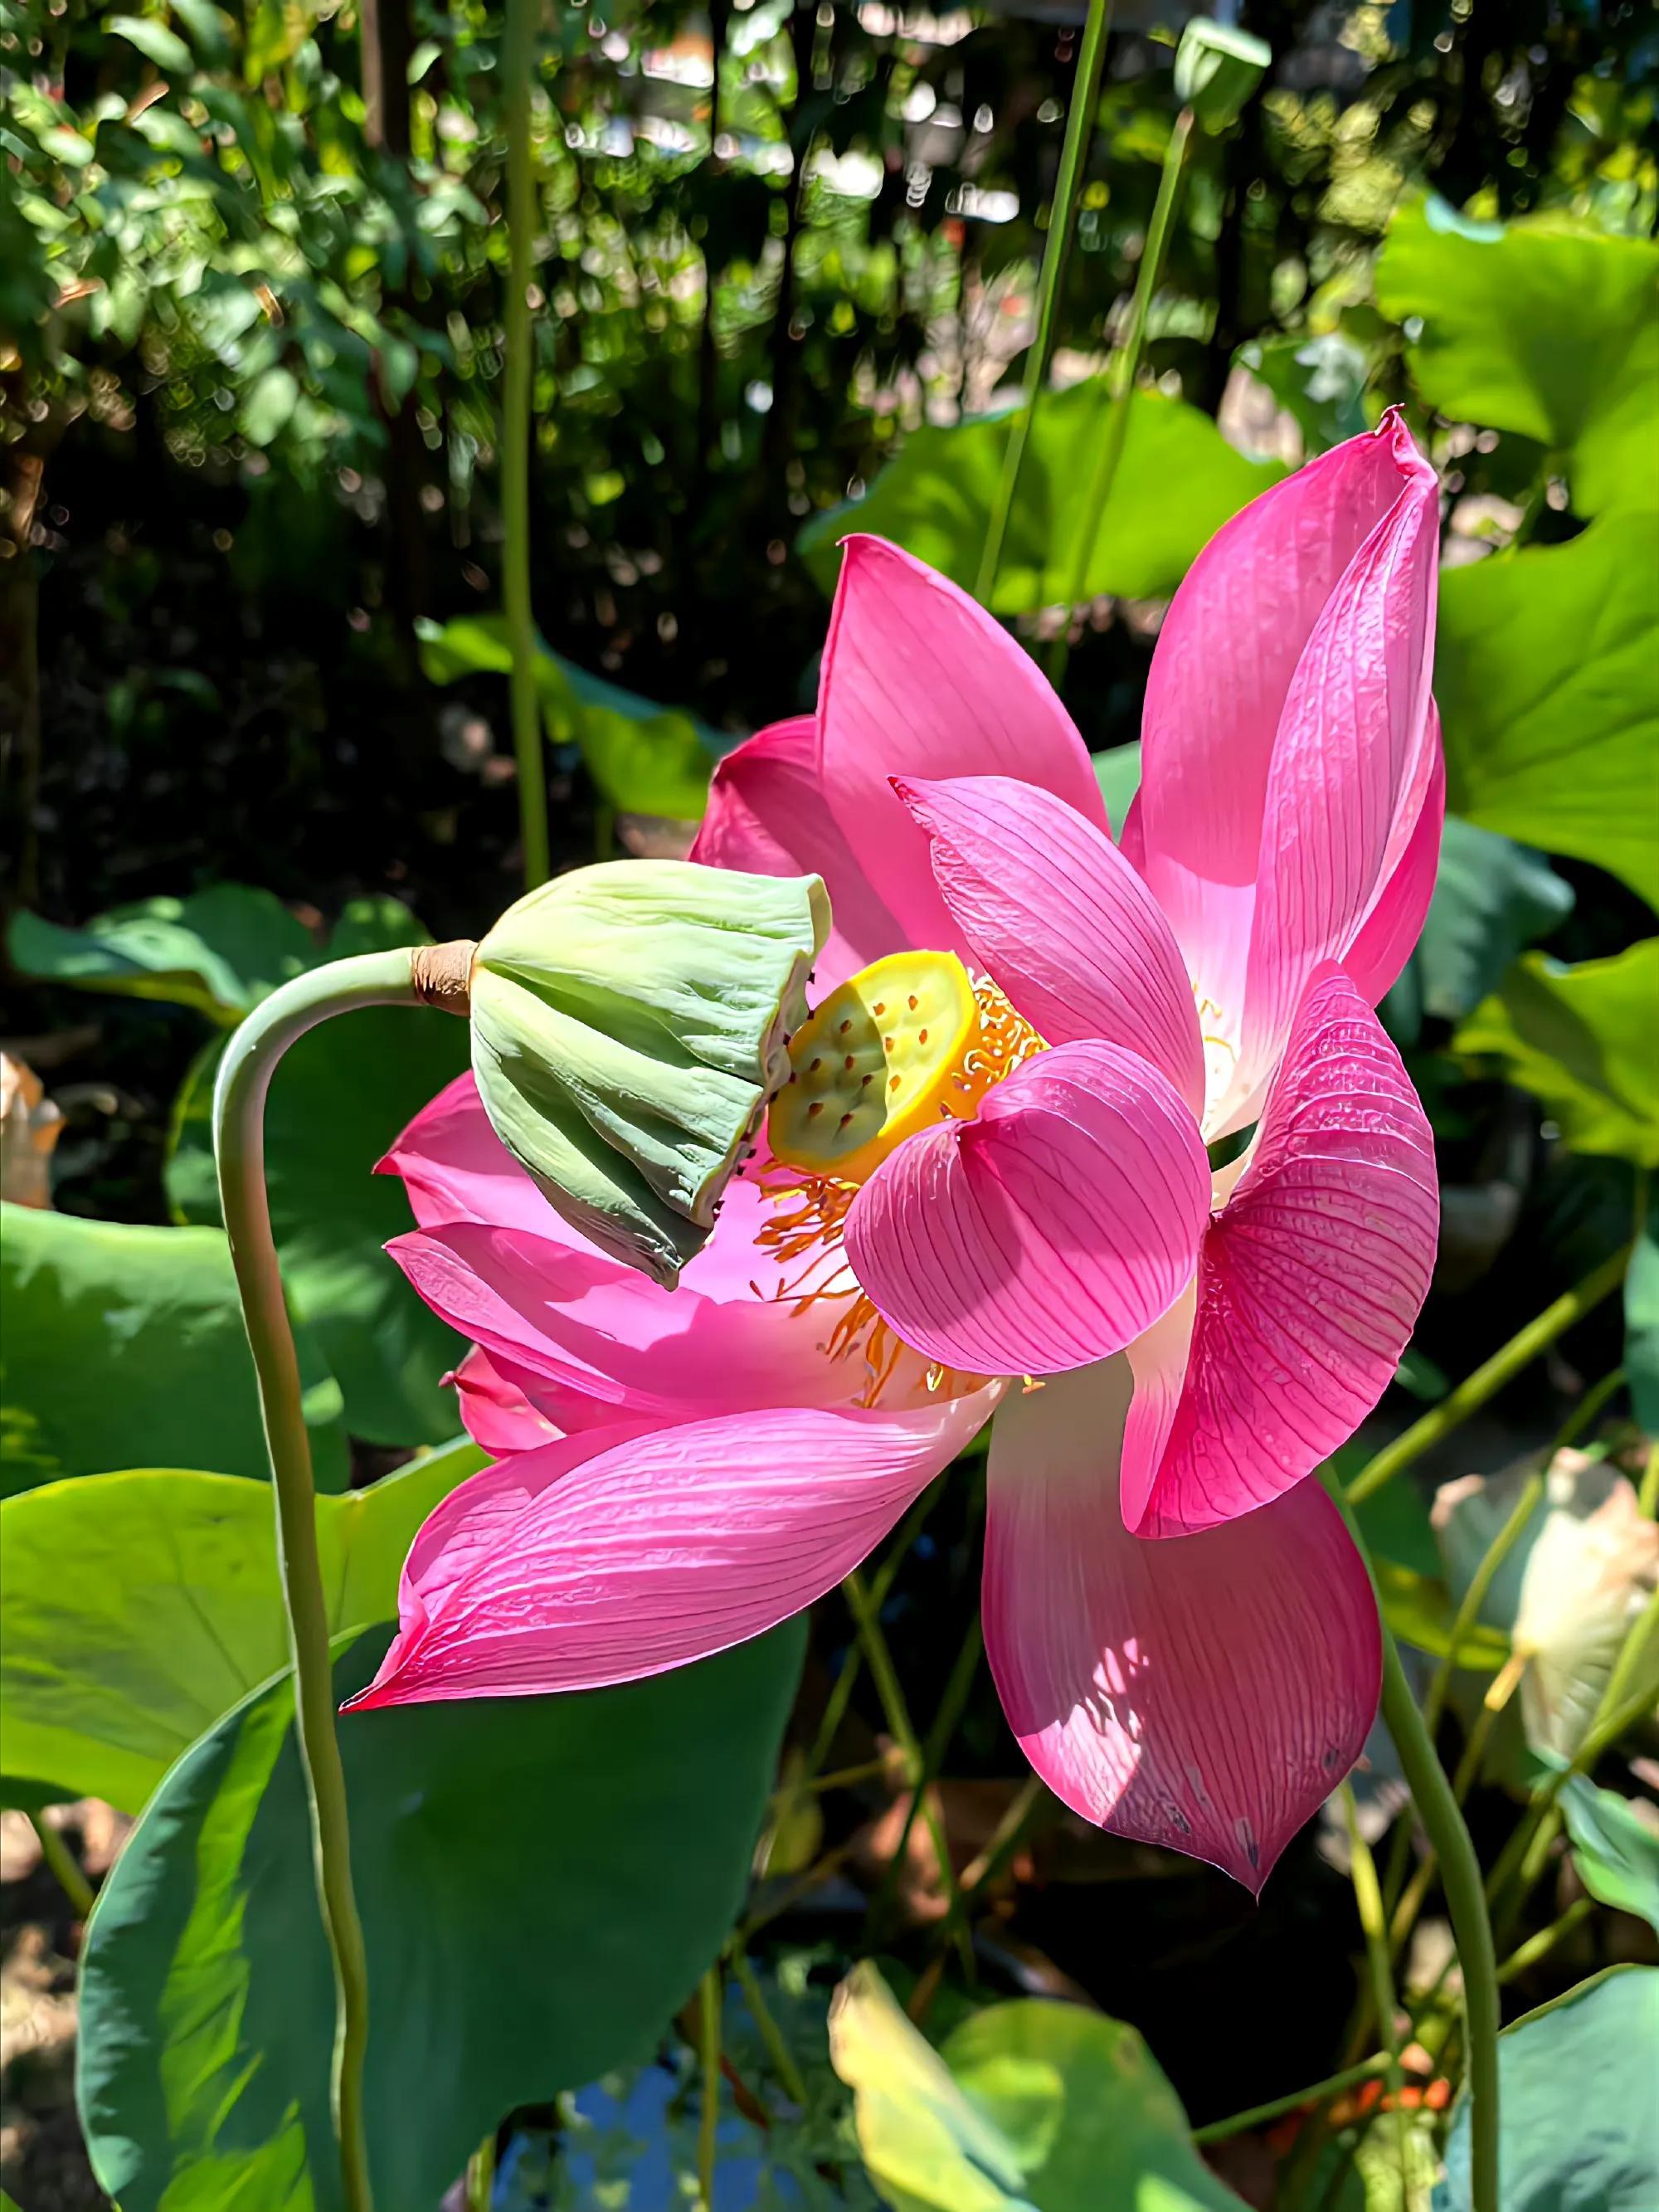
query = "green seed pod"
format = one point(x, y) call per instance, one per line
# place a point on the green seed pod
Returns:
point(629, 1022)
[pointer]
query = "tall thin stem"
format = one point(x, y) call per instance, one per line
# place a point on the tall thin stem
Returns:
point(1316, 2092)
point(879, 1660)
point(1460, 1876)
point(1367, 1900)
point(518, 68)
point(64, 1865)
point(708, 2119)
point(1488, 1379)
point(1079, 122)
point(1125, 370)
point(373, 979)
point(1466, 1903)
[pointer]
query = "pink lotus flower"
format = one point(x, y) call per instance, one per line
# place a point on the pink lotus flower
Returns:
point(680, 1472)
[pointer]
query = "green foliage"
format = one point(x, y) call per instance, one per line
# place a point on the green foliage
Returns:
point(1641, 1325)
point(1027, 2107)
point(1584, 1041)
point(1616, 1853)
point(1544, 673)
point(340, 1097)
point(121, 1340)
point(173, 1611)
point(1491, 898)
point(517, 1901)
point(1177, 482)
point(643, 759)
point(1580, 2121)
point(219, 950)
point(1548, 327)
point(1419, 1610)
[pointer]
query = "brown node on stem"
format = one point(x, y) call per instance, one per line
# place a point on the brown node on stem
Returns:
point(442, 975)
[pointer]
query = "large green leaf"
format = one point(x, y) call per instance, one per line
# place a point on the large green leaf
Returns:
point(140, 1607)
point(643, 758)
point(1616, 1853)
point(541, 1880)
point(219, 950)
point(1545, 327)
point(1177, 481)
point(1544, 673)
point(340, 1096)
point(1033, 2106)
point(1585, 1042)
point(1491, 898)
point(124, 1342)
point(1580, 2121)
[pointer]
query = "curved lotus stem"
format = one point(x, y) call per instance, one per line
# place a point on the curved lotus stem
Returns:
point(373, 979)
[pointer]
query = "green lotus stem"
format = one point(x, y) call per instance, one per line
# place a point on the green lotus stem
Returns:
point(1368, 1899)
point(1079, 122)
point(841, 1689)
point(1468, 1765)
point(1316, 2092)
point(1125, 371)
point(879, 1660)
point(1441, 1817)
point(1648, 1495)
point(1524, 1347)
point(65, 1868)
point(372, 979)
point(709, 2038)
point(1539, 1946)
point(938, 1742)
point(782, 2059)
point(518, 69)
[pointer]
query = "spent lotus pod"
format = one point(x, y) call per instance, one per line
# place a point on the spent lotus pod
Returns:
point(629, 1022)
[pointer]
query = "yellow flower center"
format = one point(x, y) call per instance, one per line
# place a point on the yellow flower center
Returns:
point(906, 1043)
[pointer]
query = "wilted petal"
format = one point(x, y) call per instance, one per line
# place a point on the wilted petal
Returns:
point(1049, 1231)
point(1061, 921)
point(769, 813)
point(1310, 1278)
point(920, 681)
point(1205, 1694)
point(601, 1561)
point(1576, 1581)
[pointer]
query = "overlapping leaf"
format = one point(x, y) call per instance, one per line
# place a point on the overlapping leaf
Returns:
point(123, 1340)
point(141, 1607)
point(1033, 2106)
point(1177, 481)
point(541, 1880)
point(1584, 1041)
point(1544, 674)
